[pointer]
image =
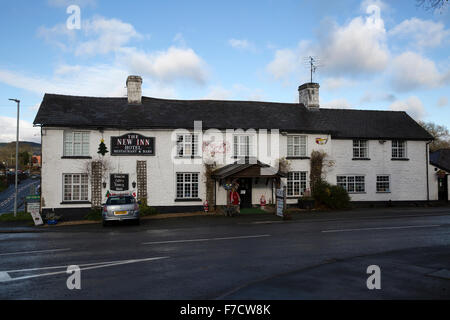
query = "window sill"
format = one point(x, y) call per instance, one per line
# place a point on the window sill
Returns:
point(76, 157)
point(188, 200)
point(362, 159)
point(357, 192)
point(188, 157)
point(400, 159)
point(75, 202)
point(298, 158)
point(293, 197)
point(383, 192)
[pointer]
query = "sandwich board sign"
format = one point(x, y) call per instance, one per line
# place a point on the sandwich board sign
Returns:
point(281, 201)
point(34, 208)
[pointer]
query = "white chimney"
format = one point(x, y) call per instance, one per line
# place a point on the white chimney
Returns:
point(309, 95)
point(134, 89)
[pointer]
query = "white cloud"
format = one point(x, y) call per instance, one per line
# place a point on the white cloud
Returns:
point(426, 33)
point(26, 130)
point(442, 102)
point(218, 93)
point(167, 66)
point(241, 44)
point(334, 83)
point(370, 97)
point(108, 35)
point(413, 106)
point(356, 48)
point(412, 71)
point(340, 103)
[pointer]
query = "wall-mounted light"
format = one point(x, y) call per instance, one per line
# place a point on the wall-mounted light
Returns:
point(104, 185)
point(134, 184)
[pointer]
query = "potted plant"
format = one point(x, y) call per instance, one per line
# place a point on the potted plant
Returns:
point(52, 218)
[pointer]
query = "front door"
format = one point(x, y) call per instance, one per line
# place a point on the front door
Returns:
point(245, 192)
point(443, 189)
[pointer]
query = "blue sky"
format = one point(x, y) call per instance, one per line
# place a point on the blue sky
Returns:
point(386, 55)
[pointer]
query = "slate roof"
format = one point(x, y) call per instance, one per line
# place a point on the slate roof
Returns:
point(92, 112)
point(236, 167)
point(441, 159)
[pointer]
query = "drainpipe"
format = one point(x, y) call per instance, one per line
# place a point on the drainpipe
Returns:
point(427, 166)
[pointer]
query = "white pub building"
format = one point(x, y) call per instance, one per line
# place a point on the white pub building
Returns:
point(157, 149)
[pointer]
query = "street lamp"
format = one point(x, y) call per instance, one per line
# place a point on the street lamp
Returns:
point(17, 154)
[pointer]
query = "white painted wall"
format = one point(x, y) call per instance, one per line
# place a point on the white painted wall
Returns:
point(408, 178)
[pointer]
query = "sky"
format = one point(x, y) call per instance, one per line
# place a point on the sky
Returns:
point(372, 54)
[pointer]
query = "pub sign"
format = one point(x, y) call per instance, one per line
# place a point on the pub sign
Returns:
point(132, 144)
point(119, 182)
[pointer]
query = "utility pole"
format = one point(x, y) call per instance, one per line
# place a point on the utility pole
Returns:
point(17, 154)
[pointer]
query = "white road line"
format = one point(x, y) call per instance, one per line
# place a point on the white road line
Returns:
point(5, 277)
point(382, 228)
point(32, 252)
point(207, 239)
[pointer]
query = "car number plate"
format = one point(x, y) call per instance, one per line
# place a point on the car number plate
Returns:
point(119, 213)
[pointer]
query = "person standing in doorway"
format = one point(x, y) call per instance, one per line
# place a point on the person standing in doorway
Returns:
point(235, 200)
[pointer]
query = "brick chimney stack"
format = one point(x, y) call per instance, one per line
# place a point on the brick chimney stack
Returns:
point(309, 95)
point(134, 89)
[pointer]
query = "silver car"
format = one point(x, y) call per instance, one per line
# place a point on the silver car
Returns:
point(120, 208)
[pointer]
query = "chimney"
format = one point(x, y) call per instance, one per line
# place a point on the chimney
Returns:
point(134, 89)
point(309, 95)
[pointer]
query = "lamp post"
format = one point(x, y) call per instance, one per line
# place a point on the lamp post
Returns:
point(17, 154)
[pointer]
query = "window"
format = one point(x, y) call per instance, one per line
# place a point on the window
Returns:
point(360, 149)
point(187, 185)
point(383, 183)
point(76, 143)
point(75, 187)
point(296, 183)
point(187, 145)
point(398, 149)
point(296, 146)
point(242, 146)
point(353, 184)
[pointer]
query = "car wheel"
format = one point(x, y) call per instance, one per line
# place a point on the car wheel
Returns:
point(104, 223)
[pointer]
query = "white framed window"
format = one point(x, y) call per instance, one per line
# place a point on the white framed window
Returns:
point(187, 185)
point(296, 183)
point(187, 145)
point(353, 184)
point(243, 146)
point(398, 149)
point(360, 149)
point(75, 187)
point(76, 143)
point(296, 146)
point(383, 183)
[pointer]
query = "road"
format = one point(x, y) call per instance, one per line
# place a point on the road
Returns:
point(25, 188)
point(253, 257)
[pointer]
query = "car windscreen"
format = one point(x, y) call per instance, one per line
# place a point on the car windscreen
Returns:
point(113, 201)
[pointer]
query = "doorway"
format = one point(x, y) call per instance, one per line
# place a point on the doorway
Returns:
point(245, 192)
point(443, 189)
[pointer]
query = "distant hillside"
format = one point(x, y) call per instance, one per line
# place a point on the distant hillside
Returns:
point(8, 147)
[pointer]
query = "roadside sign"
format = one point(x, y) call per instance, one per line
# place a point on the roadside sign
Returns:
point(281, 201)
point(34, 209)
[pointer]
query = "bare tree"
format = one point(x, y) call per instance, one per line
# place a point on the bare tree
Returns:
point(432, 4)
point(440, 134)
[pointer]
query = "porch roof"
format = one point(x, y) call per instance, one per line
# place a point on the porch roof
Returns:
point(248, 170)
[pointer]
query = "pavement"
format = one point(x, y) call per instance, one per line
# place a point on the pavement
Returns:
point(314, 256)
point(25, 188)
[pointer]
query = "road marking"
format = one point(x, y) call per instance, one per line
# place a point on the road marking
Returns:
point(207, 239)
point(5, 275)
point(382, 228)
point(32, 252)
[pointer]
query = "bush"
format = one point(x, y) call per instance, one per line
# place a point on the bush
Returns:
point(145, 210)
point(331, 196)
point(94, 215)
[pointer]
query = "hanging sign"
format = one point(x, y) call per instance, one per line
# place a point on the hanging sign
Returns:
point(119, 182)
point(132, 144)
point(321, 141)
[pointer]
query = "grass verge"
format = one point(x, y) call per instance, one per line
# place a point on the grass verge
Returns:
point(21, 216)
